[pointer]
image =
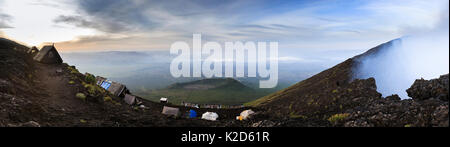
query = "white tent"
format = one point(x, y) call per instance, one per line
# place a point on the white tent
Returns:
point(210, 116)
point(246, 114)
point(164, 100)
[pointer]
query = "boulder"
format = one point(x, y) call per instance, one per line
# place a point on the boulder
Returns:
point(393, 97)
point(426, 89)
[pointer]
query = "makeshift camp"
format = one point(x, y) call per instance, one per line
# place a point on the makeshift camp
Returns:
point(170, 111)
point(190, 105)
point(164, 100)
point(130, 99)
point(210, 116)
point(246, 114)
point(48, 55)
point(192, 114)
point(115, 88)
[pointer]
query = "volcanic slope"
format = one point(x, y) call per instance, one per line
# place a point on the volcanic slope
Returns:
point(334, 94)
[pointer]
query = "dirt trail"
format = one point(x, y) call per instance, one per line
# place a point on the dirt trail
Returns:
point(58, 95)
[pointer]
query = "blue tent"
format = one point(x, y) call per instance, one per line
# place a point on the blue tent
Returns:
point(192, 114)
point(105, 85)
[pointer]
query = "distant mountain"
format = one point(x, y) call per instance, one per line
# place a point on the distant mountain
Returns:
point(207, 91)
point(210, 84)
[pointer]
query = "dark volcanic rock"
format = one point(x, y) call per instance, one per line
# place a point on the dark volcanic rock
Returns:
point(440, 116)
point(264, 123)
point(428, 108)
point(426, 89)
point(27, 124)
point(393, 97)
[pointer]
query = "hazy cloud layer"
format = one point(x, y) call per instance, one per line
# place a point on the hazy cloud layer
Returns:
point(296, 25)
point(79, 21)
point(4, 19)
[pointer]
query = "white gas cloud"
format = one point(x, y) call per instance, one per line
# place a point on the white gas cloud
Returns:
point(420, 54)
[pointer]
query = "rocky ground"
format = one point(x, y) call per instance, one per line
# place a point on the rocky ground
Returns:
point(427, 108)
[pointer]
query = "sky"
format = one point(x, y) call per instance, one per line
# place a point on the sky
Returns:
point(300, 27)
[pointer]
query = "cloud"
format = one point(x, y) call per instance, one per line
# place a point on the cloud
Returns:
point(79, 21)
point(176, 16)
point(118, 15)
point(296, 25)
point(292, 59)
point(407, 17)
point(109, 16)
point(422, 53)
point(150, 19)
point(4, 19)
point(117, 42)
point(75, 20)
point(50, 3)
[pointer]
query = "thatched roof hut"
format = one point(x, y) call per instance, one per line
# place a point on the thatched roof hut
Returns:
point(49, 55)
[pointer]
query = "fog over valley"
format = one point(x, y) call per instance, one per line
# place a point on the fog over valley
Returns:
point(149, 70)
